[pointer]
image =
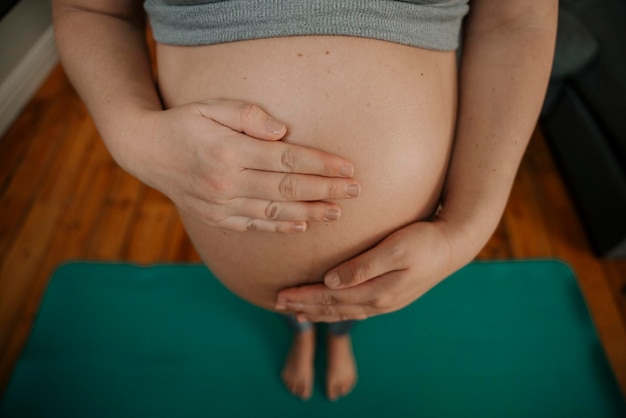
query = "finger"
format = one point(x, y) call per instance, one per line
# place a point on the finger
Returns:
point(295, 187)
point(242, 117)
point(311, 298)
point(382, 259)
point(381, 295)
point(290, 158)
point(244, 223)
point(338, 313)
point(285, 211)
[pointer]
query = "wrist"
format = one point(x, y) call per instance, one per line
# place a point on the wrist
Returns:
point(466, 237)
point(126, 137)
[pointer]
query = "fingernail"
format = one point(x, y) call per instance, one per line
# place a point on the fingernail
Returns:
point(273, 126)
point(332, 214)
point(353, 190)
point(346, 171)
point(281, 304)
point(301, 318)
point(332, 279)
point(294, 306)
point(299, 228)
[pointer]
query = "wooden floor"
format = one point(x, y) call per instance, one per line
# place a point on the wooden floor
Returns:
point(63, 198)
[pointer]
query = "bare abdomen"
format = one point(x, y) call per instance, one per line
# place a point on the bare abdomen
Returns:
point(388, 108)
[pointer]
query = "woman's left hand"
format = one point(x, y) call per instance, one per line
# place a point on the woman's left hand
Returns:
point(393, 274)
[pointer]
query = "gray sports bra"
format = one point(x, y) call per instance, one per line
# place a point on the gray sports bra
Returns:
point(431, 24)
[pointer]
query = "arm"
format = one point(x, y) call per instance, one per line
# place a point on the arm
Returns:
point(103, 50)
point(507, 54)
point(206, 156)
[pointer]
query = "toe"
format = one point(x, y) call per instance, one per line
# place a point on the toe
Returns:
point(333, 393)
point(304, 391)
point(346, 388)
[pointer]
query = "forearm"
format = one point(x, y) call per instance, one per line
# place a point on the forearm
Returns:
point(504, 72)
point(105, 55)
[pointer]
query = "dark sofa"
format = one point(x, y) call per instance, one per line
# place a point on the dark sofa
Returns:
point(584, 117)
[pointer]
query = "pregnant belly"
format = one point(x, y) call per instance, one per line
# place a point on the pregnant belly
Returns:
point(388, 108)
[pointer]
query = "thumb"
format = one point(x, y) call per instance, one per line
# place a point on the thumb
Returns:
point(364, 267)
point(243, 117)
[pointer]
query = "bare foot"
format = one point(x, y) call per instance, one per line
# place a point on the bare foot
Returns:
point(298, 372)
point(341, 373)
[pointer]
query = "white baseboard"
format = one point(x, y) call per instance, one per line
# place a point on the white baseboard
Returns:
point(18, 88)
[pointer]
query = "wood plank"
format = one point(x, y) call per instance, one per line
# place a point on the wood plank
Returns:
point(497, 248)
point(149, 234)
point(15, 143)
point(33, 241)
point(118, 212)
point(527, 236)
point(616, 275)
point(48, 135)
point(568, 241)
point(179, 247)
point(19, 137)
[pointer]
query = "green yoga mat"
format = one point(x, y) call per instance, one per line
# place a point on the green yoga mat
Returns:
point(497, 339)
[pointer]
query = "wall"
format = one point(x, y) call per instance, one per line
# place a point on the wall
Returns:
point(27, 54)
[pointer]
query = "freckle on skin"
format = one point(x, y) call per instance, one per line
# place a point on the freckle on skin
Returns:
point(300, 54)
point(422, 74)
point(327, 52)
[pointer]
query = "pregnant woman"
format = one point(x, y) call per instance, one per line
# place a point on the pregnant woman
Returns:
point(306, 140)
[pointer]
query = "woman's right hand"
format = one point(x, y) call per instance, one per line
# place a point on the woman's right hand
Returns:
point(222, 162)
